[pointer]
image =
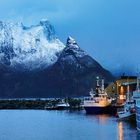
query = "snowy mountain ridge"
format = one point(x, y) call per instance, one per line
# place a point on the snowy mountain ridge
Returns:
point(30, 47)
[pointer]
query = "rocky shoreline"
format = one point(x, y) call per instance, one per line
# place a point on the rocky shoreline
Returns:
point(38, 103)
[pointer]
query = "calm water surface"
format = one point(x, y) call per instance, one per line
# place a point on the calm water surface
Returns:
point(62, 125)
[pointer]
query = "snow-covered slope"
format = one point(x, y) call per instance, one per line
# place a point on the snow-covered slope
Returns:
point(29, 47)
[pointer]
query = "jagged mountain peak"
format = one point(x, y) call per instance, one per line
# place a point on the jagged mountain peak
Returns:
point(28, 47)
point(70, 40)
point(71, 43)
point(48, 29)
point(72, 48)
point(44, 22)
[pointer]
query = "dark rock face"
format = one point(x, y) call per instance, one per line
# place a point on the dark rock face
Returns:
point(72, 75)
point(75, 71)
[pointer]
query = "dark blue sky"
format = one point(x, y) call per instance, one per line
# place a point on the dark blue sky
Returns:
point(109, 30)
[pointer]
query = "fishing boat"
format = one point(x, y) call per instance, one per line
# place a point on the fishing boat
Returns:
point(98, 102)
point(136, 96)
point(61, 105)
point(128, 111)
point(138, 114)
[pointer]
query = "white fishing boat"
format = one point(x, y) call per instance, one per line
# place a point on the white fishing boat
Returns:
point(57, 106)
point(136, 96)
point(138, 114)
point(128, 111)
point(98, 102)
point(62, 105)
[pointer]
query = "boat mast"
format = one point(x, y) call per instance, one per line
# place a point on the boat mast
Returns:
point(137, 87)
point(97, 85)
point(128, 91)
point(102, 87)
point(97, 81)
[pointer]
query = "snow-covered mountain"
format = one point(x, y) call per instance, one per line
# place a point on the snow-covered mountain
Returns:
point(29, 47)
point(35, 63)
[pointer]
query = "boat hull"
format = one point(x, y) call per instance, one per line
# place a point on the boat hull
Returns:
point(97, 110)
point(114, 108)
point(127, 117)
point(138, 117)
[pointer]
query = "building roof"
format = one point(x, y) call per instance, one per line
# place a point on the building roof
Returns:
point(128, 77)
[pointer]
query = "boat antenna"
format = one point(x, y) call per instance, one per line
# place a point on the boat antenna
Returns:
point(97, 80)
point(128, 88)
point(128, 91)
point(137, 88)
point(102, 87)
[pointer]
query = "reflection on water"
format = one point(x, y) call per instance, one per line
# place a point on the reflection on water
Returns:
point(120, 130)
point(100, 119)
point(138, 135)
point(62, 125)
point(127, 131)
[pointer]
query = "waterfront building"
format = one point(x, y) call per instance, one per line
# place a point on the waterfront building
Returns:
point(120, 87)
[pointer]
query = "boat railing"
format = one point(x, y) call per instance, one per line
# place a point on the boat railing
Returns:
point(88, 98)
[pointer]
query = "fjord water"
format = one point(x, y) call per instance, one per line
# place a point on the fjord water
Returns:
point(62, 125)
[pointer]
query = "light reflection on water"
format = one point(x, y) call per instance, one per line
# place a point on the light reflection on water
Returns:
point(120, 130)
point(102, 119)
point(62, 125)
